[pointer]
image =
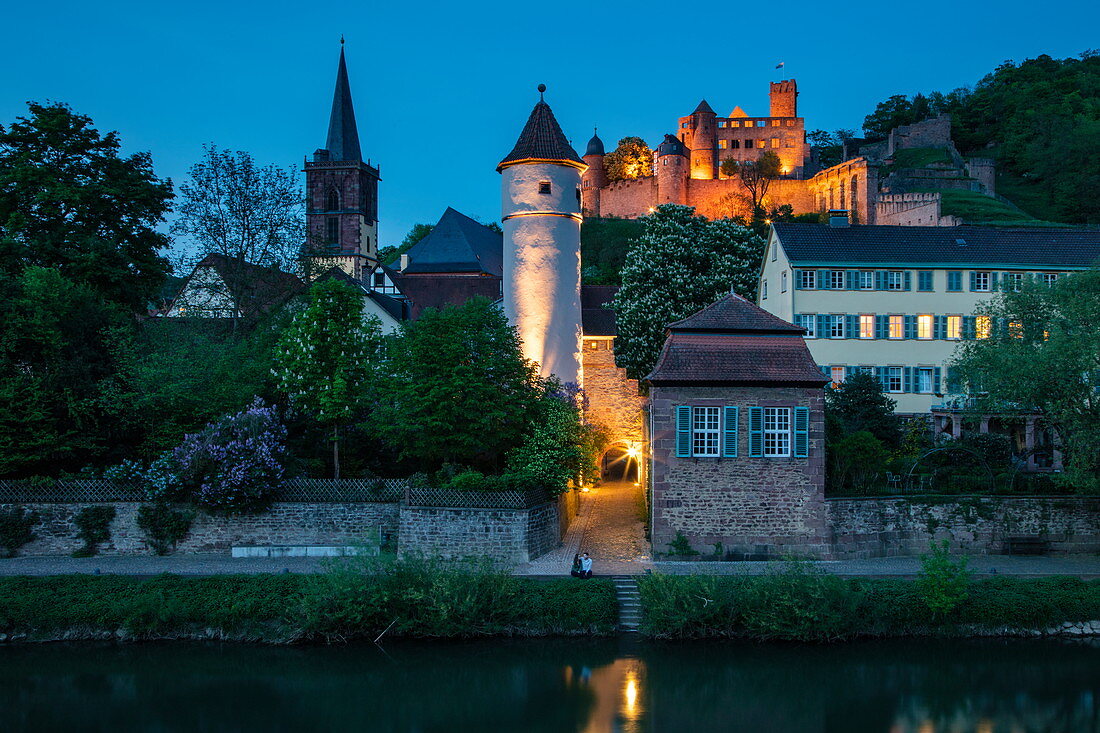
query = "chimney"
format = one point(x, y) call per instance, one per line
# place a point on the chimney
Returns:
point(838, 217)
point(404, 262)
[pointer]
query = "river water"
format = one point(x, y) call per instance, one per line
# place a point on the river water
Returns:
point(559, 685)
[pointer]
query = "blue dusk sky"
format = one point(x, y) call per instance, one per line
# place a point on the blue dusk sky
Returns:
point(442, 90)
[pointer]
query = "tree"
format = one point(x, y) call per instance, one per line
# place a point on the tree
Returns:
point(829, 146)
point(631, 159)
point(858, 404)
point(680, 264)
point(456, 388)
point(1042, 354)
point(756, 176)
point(894, 112)
point(390, 255)
point(324, 359)
point(69, 201)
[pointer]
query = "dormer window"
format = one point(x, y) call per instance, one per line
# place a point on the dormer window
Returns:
point(544, 186)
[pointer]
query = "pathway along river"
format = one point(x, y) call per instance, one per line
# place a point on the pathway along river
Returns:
point(559, 685)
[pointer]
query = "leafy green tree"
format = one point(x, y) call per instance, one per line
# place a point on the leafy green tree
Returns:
point(756, 176)
point(69, 201)
point(829, 146)
point(325, 358)
point(858, 404)
point(66, 399)
point(897, 110)
point(1043, 354)
point(631, 159)
point(390, 255)
point(456, 388)
point(680, 264)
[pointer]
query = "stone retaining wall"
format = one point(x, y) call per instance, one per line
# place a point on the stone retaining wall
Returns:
point(897, 526)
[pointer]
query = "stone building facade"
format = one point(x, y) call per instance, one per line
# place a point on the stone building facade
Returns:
point(737, 438)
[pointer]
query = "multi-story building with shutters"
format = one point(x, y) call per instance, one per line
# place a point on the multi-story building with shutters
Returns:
point(897, 300)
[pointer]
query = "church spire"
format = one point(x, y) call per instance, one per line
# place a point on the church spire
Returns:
point(343, 135)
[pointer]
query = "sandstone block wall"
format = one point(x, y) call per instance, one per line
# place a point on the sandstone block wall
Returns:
point(628, 199)
point(887, 527)
point(511, 535)
point(933, 133)
point(754, 506)
point(613, 400)
point(912, 209)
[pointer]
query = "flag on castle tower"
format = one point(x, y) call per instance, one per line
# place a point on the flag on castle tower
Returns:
point(779, 65)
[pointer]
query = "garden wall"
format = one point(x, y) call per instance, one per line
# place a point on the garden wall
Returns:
point(895, 526)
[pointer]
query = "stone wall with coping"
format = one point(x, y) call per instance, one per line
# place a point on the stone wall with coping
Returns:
point(889, 527)
point(285, 523)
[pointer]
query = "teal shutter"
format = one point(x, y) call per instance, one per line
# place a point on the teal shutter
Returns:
point(853, 279)
point(936, 380)
point(910, 331)
point(973, 281)
point(880, 280)
point(880, 375)
point(907, 279)
point(852, 327)
point(882, 327)
point(939, 327)
point(825, 282)
point(969, 329)
point(993, 280)
point(954, 281)
point(729, 430)
point(822, 326)
point(801, 432)
point(756, 432)
point(850, 371)
point(683, 431)
point(797, 279)
point(907, 380)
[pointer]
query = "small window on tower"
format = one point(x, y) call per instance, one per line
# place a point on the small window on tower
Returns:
point(332, 201)
point(544, 186)
point(332, 230)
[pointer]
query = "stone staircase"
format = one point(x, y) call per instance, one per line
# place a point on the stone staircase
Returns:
point(630, 602)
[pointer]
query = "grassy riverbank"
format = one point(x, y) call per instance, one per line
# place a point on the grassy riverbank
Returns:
point(800, 604)
point(358, 600)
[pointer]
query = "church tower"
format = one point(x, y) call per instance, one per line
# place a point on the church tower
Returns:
point(341, 194)
point(541, 212)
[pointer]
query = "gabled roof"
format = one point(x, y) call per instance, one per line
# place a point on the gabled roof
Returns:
point(734, 342)
point(255, 288)
point(948, 246)
point(542, 141)
point(343, 135)
point(738, 112)
point(394, 307)
point(457, 243)
point(703, 108)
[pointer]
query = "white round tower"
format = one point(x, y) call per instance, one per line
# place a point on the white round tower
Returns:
point(541, 215)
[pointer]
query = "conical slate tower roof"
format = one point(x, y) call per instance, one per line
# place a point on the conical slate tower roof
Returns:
point(343, 135)
point(595, 146)
point(703, 108)
point(542, 141)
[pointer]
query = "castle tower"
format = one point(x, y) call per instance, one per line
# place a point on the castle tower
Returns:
point(593, 179)
point(783, 99)
point(702, 141)
point(541, 202)
point(673, 171)
point(341, 194)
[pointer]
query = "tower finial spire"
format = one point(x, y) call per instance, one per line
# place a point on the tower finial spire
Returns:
point(542, 89)
point(341, 39)
point(343, 135)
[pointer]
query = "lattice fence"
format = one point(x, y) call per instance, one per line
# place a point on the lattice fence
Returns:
point(475, 499)
point(76, 491)
point(330, 491)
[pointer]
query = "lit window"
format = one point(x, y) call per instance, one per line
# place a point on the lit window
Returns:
point(897, 327)
point(954, 327)
point(1049, 278)
point(836, 279)
point(981, 281)
point(924, 327)
point(893, 280)
point(544, 186)
point(837, 374)
point(790, 123)
point(775, 142)
point(982, 326)
point(783, 282)
point(721, 123)
point(1013, 281)
point(924, 380)
point(704, 431)
point(777, 431)
point(734, 123)
point(807, 279)
point(1016, 329)
point(836, 327)
point(866, 326)
point(721, 144)
point(777, 123)
point(893, 379)
point(866, 280)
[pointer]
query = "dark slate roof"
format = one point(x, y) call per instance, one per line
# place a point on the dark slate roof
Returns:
point(703, 108)
point(734, 314)
point(543, 140)
point(256, 288)
point(595, 146)
point(397, 308)
point(343, 135)
point(436, 291)
point(671, 146)
point(950, 246)
point(732, 342)
point(597, 318)
point(457, 243)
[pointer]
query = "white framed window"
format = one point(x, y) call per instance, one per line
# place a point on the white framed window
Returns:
point(836, 326)
point(836, 373)
point(836, 279)
point(1048, 278)
point(924, 327)
point(866, 280)
point(866, 326)
point(808, 322)
point(893, 379)
point(894, 280)
point(763, 289)
point(954, 327)
point(704, 431)
point(807, 279)
point(783, 282)
point(924, 380)
point(897, 327)
point(981, 281)
point(1013, 281)
point(777, 431)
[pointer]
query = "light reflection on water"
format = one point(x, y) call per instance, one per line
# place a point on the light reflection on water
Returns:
point(575, 686)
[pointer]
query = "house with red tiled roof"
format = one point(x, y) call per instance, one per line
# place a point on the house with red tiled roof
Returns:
point(737, 435)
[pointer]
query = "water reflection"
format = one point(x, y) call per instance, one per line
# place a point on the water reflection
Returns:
point(573, 685)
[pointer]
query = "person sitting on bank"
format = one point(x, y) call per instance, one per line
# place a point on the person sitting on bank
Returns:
point(576, 569)
point(586, 566)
